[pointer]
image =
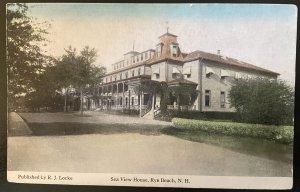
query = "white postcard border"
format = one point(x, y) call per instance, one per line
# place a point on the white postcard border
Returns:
point(149, 180)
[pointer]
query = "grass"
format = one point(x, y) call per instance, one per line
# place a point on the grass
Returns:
point(247, 145)
point(74, 128)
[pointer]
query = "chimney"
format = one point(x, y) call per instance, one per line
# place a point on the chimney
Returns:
point(219, 52)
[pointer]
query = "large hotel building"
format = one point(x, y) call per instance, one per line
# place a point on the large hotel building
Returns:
point(210, 75)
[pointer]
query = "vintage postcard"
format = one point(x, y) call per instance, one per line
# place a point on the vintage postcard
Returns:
point(158, 95)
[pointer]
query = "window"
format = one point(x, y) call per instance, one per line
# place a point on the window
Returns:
point(137, 59)
point(174, 51)
point(132, 73)
point(142, 57)
point(133, 59)
point(146, 55)
point(120, 76)
point(209, 72)
point(188, 75)
point(175, 75)
point(132, 101)
point(157, 75)
point(126, 101)
point(158, 49)
point(207, 98)
point(110, 78)
point(139, 71)
point(115, 77)
point(222, 99)
point(126, 74)
point(120, 100)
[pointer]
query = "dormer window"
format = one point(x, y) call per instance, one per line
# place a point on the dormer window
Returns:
point(174, 50)
point(159, 49)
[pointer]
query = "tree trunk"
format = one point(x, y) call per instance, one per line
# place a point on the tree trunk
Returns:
point(163, 101)
point(81, 101)
point(66, 96)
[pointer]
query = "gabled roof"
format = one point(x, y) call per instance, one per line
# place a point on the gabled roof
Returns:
point(168, 34)
point(224, 60)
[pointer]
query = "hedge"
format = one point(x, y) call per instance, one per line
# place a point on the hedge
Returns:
point(281, 134)
point(216, 115)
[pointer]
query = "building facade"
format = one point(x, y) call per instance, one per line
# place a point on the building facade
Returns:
point(209, 75)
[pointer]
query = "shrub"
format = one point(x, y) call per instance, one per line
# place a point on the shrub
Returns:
point(281, 134)
point(170, 114)
point(263, 101)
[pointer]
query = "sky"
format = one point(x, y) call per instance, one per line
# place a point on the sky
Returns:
point(263, 35)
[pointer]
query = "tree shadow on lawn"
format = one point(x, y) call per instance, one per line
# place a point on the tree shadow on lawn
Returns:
point(75, 128)
point(247, 145)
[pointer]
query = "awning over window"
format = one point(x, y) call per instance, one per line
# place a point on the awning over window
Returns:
point(224, 73)
point(209, 70)
point(156, 70)
point(175, 70)
point(187, 70)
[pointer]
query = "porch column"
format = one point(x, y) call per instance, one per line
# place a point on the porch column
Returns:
point(123, 99)
point(117, 102)
point(141, 93)
point(128, 98)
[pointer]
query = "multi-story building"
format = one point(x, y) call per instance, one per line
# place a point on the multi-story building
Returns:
point(210, 75)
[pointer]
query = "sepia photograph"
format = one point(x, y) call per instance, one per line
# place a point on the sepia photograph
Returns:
point(153, 95)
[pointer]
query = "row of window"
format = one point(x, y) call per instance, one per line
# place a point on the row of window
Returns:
point(114, 77)
point(119, 65)
point(226, 73)
point(135, 59)
point(141, 57)
point(207, 102)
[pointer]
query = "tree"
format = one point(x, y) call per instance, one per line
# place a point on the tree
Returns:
point(263, 101)
point(64, 73)
point(86, 72)
point(44, 92)
point(24, 56)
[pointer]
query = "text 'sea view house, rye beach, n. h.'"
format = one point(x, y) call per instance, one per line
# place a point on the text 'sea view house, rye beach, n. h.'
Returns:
point(155, 95)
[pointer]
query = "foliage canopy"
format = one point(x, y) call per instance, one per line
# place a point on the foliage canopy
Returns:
point(263, 101)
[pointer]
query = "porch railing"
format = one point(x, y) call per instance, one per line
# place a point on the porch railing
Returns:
point(182, 107)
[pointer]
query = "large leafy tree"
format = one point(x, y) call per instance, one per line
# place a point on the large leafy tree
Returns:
point(78, 70)
point(86, 72)
point(25, 59)
point(263, 101)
